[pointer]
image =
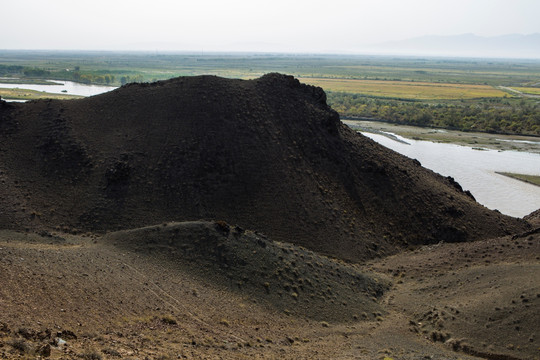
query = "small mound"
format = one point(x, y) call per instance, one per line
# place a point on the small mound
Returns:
point(287, 277)
point(533, 218)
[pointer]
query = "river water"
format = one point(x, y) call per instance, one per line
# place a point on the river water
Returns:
point(70, 87)
point(475, 170)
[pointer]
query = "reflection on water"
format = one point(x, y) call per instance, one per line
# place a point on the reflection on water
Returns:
point(475, 171)
point(63, 87)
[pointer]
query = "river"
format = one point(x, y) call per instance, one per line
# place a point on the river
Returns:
point(476, 171)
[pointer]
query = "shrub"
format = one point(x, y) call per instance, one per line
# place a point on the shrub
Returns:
point(168, 319)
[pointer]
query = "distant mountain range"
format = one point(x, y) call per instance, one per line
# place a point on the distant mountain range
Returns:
point(504, 46)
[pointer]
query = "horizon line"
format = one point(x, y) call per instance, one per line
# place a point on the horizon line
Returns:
point(276, 53)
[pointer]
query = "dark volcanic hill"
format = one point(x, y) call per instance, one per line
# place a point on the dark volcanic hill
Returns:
point(266, 154)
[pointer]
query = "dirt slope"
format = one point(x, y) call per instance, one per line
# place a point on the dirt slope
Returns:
point(154, 293)
point(291, 279)
point(534, 218)
point(267, 154)
point(480, 298)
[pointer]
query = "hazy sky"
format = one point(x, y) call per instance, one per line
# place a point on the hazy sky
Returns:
point(277, 25)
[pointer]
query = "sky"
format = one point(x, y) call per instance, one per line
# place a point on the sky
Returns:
point(338, 26)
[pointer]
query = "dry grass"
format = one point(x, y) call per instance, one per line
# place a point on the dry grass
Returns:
point(407, 89)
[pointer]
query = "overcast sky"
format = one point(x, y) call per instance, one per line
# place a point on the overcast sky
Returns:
point(276, 25)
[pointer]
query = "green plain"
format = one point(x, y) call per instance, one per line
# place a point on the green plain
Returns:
point(450, 93)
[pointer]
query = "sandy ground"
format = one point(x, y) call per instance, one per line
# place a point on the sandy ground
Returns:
point(472, 139)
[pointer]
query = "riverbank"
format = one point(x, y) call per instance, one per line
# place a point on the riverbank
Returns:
point(25, 94)
point(474, 160)
point(476, 140)
point(54, 89)
point(11, 80)
point(531, 179)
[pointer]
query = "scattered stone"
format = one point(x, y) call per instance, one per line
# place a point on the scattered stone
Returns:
point(44, 350)
point(67, 334)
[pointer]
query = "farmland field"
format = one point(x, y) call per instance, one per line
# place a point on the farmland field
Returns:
point(149, 66)
point(407, 89)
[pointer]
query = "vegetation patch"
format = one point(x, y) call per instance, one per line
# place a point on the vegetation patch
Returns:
point(495, 115)
point(531, 179)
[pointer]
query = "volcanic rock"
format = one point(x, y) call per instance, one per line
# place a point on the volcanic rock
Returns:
point(266, 154)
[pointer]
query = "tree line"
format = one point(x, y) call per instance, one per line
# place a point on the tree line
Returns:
point(75, 74)
point(488, 115)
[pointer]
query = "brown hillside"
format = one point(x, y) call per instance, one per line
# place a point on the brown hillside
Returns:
point(533, 218)
point(197, 291)
point(289, 278)
point(267, 154)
